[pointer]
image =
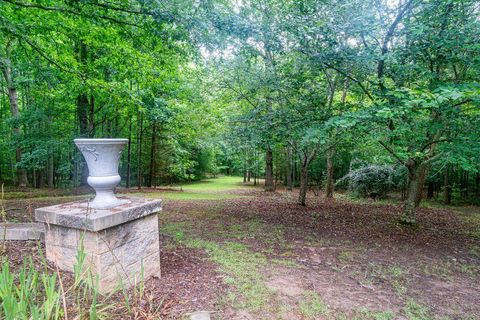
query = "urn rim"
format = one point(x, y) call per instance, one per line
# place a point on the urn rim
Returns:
point(100, 141)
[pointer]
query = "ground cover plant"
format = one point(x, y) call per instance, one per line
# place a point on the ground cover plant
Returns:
point(260, 255)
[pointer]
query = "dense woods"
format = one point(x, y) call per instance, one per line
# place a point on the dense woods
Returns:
point(379, 95)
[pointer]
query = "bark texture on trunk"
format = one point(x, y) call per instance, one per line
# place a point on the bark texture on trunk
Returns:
point(269, 185)
point(330, 173)
point(422, 176)
point(409, 212)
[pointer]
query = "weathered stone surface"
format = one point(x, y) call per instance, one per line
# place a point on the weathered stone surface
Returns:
point(115, 252)
point(78, 215)
point(200, 315)
point(21, 231)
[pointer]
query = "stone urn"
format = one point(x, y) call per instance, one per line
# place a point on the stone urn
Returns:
point(102, 156)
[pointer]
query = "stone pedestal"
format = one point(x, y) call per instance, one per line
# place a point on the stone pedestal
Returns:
point(118, 242)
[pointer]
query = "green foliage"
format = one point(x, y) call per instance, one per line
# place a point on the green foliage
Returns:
point(29, 294)
point(206, 88)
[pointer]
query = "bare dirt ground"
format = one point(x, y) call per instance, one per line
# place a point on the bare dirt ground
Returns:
point(261, 256)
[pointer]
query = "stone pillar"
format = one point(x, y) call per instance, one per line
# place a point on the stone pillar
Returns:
point(118, 242)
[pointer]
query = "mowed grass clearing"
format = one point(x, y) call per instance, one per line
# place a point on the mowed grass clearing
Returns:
point(220, 188)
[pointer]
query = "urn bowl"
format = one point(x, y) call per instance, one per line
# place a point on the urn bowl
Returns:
point(102, 157)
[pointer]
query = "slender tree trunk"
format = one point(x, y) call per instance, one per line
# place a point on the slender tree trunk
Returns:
point(34, 178)
point(447, 199)
point(91, 117)
point(330, 173)
point(82, 112)
point(244, 175)
point(467, 178)
point(83, 107)
point(50, 172)
point(129, 153)
point(294, 169)
point(257, 170)
point(269, 185)
point(152, 155)
point(303, 183)
point(477, 184)
point(289, 169)
point(139, 152)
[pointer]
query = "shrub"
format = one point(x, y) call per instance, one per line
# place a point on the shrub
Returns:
point(372, 181)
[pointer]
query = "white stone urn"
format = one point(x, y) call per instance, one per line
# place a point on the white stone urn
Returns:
point(102, 156)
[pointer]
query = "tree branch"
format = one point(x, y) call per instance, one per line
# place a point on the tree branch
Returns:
point(66, 10)
point(390, 150)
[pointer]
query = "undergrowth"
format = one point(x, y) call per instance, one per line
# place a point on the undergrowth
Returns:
point(45, 293)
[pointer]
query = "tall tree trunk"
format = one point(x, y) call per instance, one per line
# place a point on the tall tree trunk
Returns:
point(50, 171)
point(152, 155)
point(91, 117)
point(257, 170)
point(83, 107)
point(294, 170)
point(289, 169)
point(330, 173)
point(129, 153)
point(303, 183)
point(467, 177)
point(34, 178)
point(422, 176)
point(409, 214)
point(269, 185)
point(139, 151)
point(477, 184)
point(22, 179)
point(447, 199)
point(82, 112)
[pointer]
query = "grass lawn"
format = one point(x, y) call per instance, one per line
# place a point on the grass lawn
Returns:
point(220, 184)
point(220, 188)
point(247, 254)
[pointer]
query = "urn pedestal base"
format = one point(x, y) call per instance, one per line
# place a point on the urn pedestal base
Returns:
point(119, 243)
